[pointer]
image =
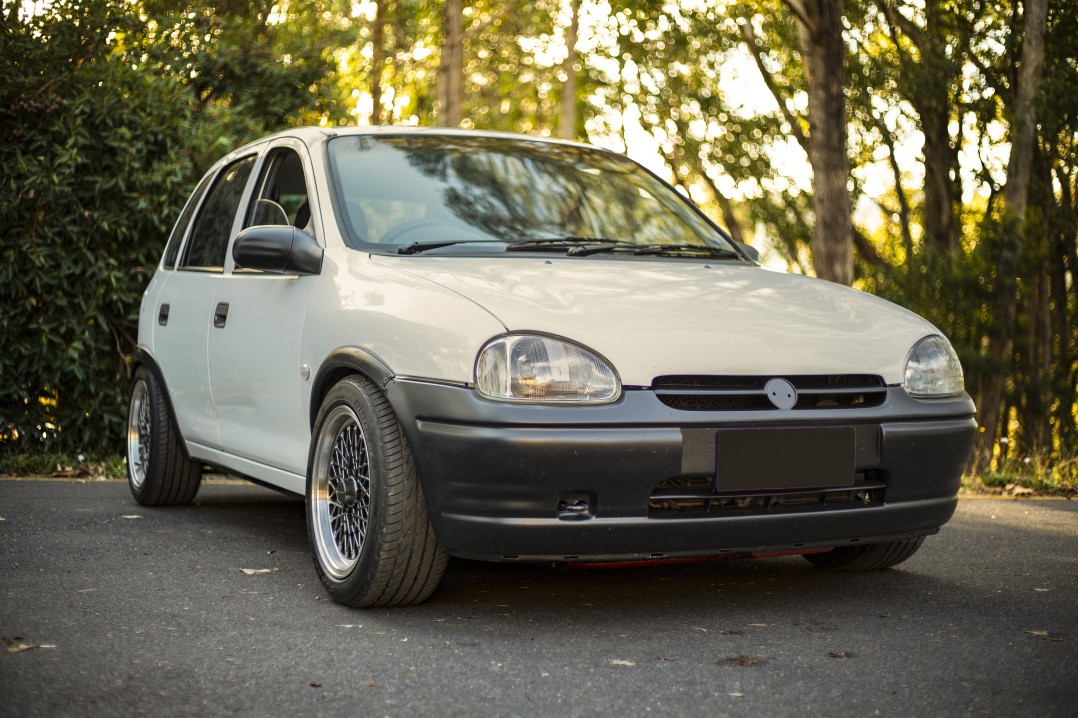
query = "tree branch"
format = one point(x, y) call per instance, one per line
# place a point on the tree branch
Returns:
point(479, 27)
point(798, 9)
point(749, 38)
point(894, 18)
point(867, 252)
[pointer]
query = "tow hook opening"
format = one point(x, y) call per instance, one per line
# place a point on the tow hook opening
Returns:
point(576, 506)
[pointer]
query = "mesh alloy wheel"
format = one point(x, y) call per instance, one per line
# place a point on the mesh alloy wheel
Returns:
point(340, 499)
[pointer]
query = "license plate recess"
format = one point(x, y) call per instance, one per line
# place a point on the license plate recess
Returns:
point(783, 458)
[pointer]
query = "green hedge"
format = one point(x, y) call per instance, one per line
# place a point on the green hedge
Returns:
point(93, 173)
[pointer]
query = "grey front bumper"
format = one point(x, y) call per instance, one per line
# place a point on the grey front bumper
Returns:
point(494, 475)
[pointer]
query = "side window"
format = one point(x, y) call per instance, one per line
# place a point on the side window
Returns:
point(178, 232)
point(209, 238)
point(282, 192)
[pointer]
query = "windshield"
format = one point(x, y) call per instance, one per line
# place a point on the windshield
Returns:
point(402, 190)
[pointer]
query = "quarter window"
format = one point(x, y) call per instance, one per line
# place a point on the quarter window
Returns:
point(282, 194)
point(213, 228)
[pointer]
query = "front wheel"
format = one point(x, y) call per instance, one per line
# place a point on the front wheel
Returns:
point(159, 471)
point(367, 523)
point(869, 557)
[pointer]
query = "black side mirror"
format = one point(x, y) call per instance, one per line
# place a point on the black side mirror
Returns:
point(752, 252)
point(277, 249)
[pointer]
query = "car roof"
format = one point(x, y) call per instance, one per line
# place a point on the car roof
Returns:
point(313, 135)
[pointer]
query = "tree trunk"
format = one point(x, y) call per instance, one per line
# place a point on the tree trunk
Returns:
point(1015, 198)
point(940, 225)
point(568, 90)
point(451, 67)
point(1065, 377)
point(819, 30)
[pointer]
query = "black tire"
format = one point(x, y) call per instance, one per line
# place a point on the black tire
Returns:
point(869, 557)
point(159, 471)
point(367, 524)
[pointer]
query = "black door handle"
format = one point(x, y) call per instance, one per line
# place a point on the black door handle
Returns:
point(220, 314)
point(162, 315)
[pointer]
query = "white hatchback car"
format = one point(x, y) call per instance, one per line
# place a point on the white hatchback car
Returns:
point(507, 348)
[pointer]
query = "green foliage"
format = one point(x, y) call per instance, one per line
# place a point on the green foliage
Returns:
point(104, 140)
point(55, 463)
point(90, 180)
point(1020, 475)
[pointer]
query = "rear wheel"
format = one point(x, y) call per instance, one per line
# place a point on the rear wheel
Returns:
point(869, 557)
point(159, 472)
point(367, 523)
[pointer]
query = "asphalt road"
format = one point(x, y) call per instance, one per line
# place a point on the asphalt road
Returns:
point(130, 611)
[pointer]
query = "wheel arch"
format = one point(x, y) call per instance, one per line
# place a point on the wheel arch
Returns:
point(341, 363)
point(143, 357)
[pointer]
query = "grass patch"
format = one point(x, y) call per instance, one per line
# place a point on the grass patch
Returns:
point(52, 463)
point(1030, 475)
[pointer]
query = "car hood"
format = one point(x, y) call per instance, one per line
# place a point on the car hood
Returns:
point(654, 317)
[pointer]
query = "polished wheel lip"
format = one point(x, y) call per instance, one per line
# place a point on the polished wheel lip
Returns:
point(340, 492)
point(139, 425)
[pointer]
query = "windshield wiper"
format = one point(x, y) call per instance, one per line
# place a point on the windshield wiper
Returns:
point(576, 245)
point(673, 250)
point(417, 247)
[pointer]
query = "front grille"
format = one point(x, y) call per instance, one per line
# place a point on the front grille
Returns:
point(695, 496)
point(747, 393)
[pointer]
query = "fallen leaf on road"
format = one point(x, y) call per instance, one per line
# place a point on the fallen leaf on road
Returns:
point(664, 658)
point(257, 571)
point(1045, 635)
point(28, 647)
point(316, 685)
point(1042, 590)
point(697, 628)
point(759, 625)
point(130, 516)
point(841, 654)
point(736, 695)
point(733, 632)
point(739, 661)
point(621, 662)
point(349, 625)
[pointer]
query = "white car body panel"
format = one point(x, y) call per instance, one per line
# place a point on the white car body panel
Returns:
point(254, 365)
point(661, 317)
point(414, 326)
point(180, 349)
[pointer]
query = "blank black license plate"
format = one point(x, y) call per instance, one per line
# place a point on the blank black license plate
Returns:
point(783, 459)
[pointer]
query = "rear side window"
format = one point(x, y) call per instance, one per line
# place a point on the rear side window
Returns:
point(213, 228)
point(178, 232)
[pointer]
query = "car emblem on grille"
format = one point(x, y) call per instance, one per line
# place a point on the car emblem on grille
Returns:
point(781, 393)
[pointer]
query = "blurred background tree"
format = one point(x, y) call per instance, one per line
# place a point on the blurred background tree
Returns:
point(960, 132)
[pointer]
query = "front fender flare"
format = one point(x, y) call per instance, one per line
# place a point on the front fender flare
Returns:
point(340, 363)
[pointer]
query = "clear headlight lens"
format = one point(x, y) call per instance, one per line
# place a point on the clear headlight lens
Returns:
point(530, 367)
point(933, 369)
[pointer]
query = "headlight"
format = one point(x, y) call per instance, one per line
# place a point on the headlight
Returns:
point(932, 369)
point(530, 367)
